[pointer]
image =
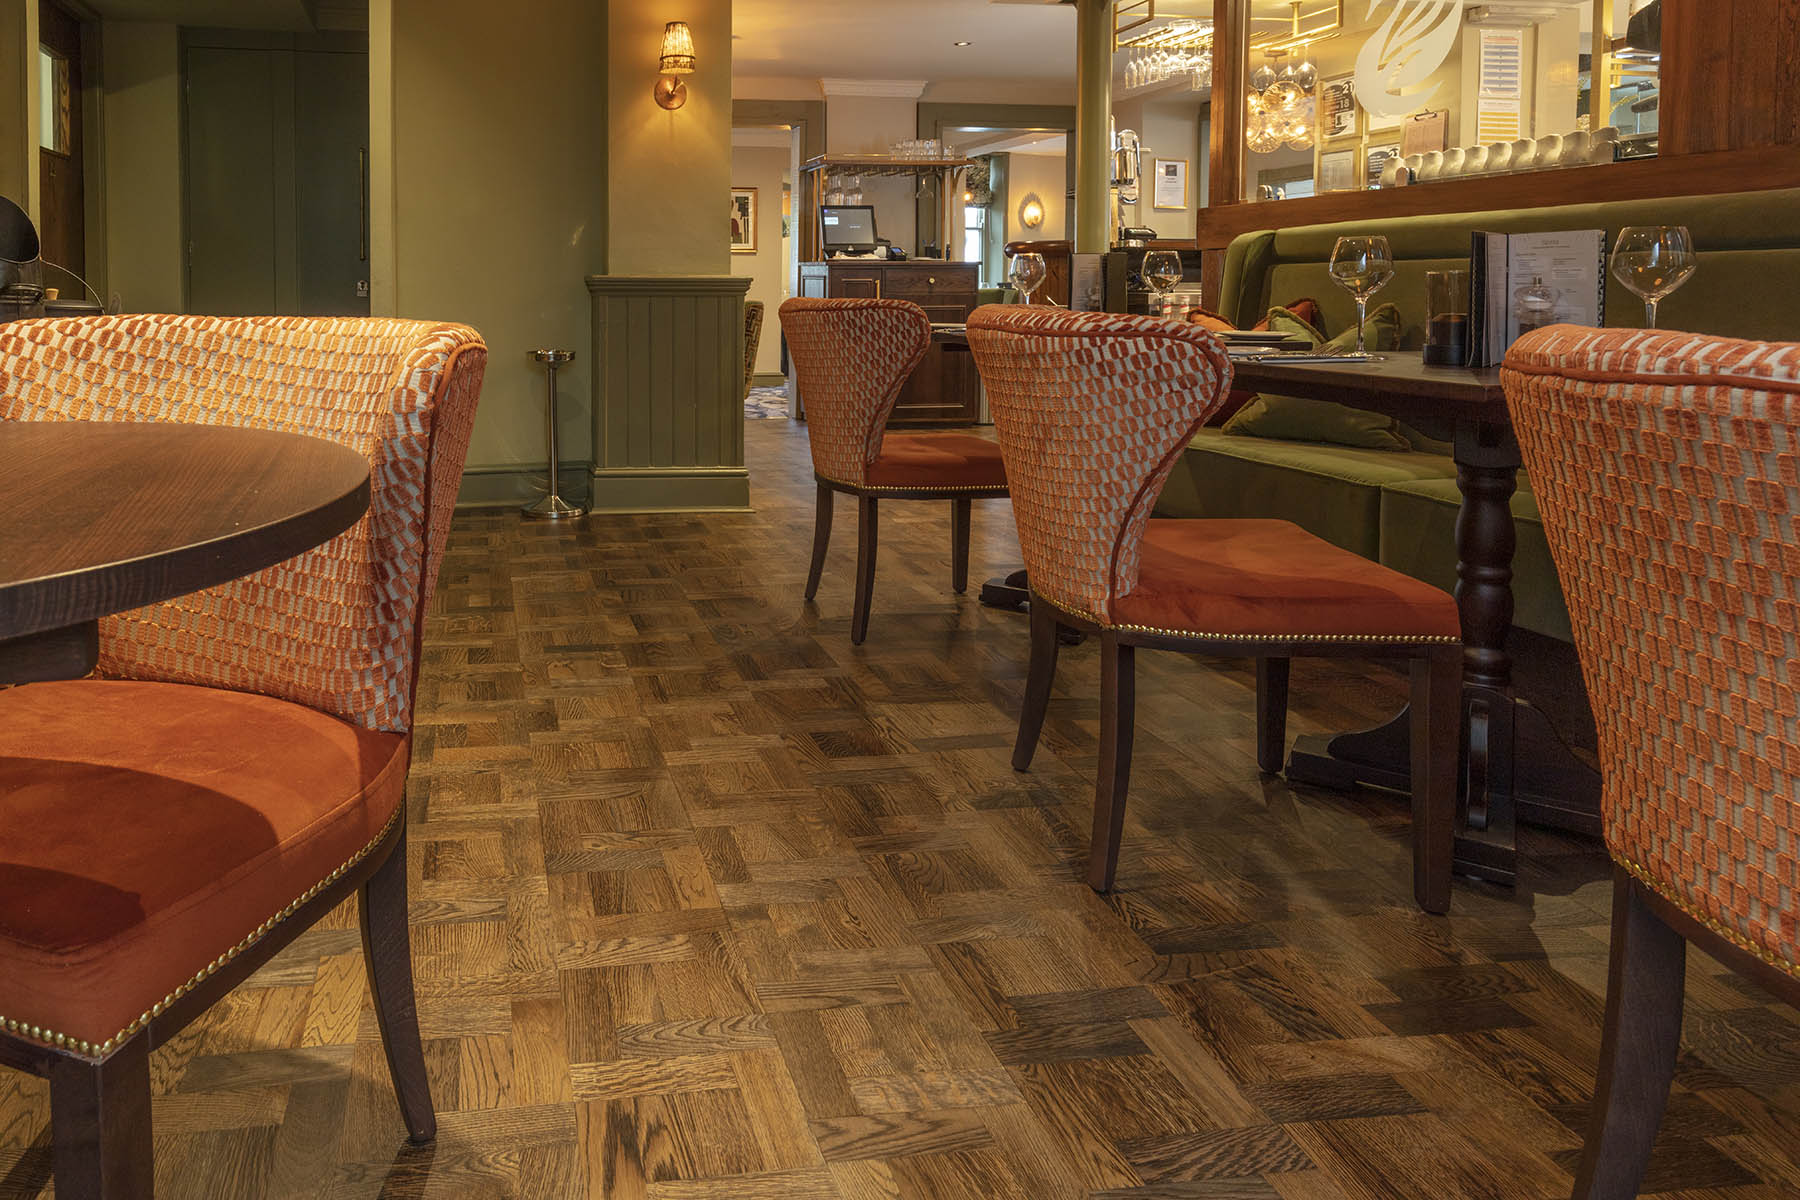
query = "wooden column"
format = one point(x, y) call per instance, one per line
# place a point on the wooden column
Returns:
point(1230, 30)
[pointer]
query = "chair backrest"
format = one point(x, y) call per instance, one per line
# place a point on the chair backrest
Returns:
point(1667, 469)
point(753, 325)
point(336, 628)
point(851, 358)
point(1092, 410)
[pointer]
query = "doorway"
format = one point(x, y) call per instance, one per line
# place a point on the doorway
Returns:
point(276, 175)
point(61, 200)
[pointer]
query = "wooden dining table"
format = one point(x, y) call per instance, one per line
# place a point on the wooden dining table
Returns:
point(101, 517)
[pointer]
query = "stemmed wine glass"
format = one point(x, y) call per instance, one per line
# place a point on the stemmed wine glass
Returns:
point(1362, 266)
point(1653, 260)
point(1027, 273)
point(1162, 271)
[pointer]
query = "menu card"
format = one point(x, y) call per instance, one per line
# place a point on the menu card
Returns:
point(1565, 269)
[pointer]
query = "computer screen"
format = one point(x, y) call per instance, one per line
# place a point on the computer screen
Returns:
point(847, 227)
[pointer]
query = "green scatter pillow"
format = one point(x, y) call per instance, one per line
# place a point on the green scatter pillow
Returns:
point(1297, 419)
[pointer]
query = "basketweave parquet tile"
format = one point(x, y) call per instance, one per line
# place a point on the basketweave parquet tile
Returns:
point(710, 905)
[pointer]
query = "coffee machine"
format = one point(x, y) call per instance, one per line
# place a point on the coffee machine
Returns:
point(1127, 174)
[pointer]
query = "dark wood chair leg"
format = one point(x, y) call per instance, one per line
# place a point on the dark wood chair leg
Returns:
point(1118, 701)
point(1644, 987)
point(1271, 713)
point(1039, 677)
point(821, 540)
point(867, 522)
point(1436, 747)
point(100, 1125)
point(387, 953)
point(960, 511)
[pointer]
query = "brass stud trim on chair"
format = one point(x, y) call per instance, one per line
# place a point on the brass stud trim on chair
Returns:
point(63, 1041)
point(1733, 936)
point(1200, 636)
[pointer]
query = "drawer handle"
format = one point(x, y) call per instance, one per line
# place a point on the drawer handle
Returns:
point(931, 279)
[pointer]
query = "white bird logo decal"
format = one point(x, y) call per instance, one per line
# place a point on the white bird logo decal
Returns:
point(1414, 41)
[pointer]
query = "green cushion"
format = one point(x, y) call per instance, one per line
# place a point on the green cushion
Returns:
point(1418, 537)
point(1295, 418)
point(1333, 492)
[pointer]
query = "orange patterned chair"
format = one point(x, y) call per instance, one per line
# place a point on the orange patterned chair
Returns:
point(237, 766)
point(851, 358)
point(753, 327)
point(1665, 467)
point(1092, 410)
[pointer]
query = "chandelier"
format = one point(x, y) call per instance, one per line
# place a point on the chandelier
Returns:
point(1180, 48)
point(1281, 109)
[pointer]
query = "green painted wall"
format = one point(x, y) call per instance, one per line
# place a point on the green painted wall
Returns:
point(141, 103)
point(18, 102)
point(668, 172)
point(487, 199)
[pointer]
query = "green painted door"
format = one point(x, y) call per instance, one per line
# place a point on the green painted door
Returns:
point(331, 155)
point(235, 122)
point(276, 181)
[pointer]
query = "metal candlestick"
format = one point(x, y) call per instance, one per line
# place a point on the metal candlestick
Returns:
point(552, 507)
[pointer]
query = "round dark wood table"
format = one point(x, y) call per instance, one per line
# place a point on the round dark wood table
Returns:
point(102, 517)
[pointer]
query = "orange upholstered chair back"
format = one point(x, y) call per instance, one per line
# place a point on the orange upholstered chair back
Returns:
point(1667, 468)
point(753, 325)
point(1092, 410)
point(336, 628)
point(851, 358)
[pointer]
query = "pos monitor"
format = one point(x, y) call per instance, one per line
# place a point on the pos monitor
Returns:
point(847, 229)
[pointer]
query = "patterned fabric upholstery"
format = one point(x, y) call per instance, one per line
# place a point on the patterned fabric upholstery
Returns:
point(336, 628)
point(753, 323)
point(1667, 467)
point(1092, 410)
point(851, 358)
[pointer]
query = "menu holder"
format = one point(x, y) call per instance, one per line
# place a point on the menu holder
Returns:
point(1566, 270)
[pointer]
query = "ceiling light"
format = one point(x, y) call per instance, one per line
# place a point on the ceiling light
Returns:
point(965, 43)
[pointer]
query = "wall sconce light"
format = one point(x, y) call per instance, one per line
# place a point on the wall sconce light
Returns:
point(677, 60)
point(1031, 212)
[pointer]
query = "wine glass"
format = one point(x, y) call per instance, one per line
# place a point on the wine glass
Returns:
point(1027, 273)
point(1653, 260)
point(1162, 271)
point(1362, 266)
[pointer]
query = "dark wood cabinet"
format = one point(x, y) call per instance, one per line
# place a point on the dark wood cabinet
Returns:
point(945, 389)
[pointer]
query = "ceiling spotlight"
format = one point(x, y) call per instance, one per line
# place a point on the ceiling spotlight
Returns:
point(964, 43)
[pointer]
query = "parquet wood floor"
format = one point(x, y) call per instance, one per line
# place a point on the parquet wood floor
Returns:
point(709, 905)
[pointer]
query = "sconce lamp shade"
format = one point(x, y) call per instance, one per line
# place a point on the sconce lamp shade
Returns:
point(1031, 213)
point(677, 49)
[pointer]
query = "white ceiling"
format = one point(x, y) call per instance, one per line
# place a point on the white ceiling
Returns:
point(903, 39)
point(1009, 141)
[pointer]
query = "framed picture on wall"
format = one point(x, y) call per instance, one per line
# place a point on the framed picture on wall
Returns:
point(743, 220)
point(1171, 183)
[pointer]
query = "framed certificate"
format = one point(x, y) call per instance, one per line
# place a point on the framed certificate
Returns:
point(1171, 183)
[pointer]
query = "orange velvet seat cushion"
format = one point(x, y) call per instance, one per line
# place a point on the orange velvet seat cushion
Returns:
point(937, 460)
point(147, 828)
point(1273, 579)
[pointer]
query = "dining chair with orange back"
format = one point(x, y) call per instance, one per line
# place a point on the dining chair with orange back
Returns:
point(851, 358)
point(237, 766)
point(753, 327)
point(1664, 466)
point(1092, 410)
